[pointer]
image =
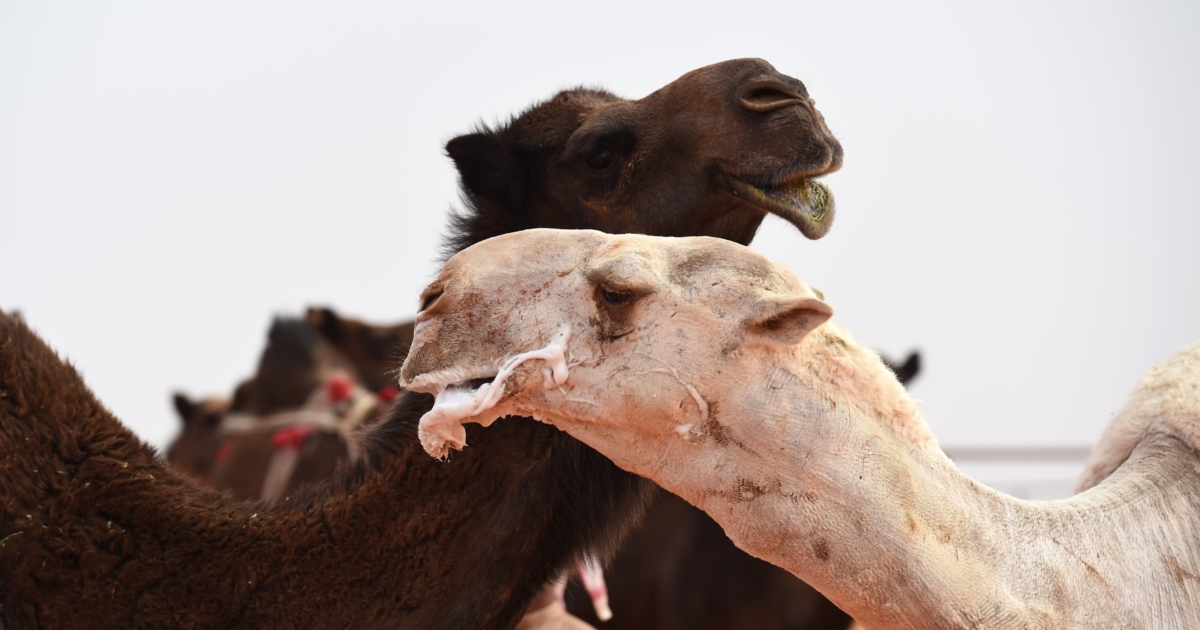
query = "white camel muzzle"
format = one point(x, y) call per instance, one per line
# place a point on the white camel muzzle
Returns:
point(464, 395)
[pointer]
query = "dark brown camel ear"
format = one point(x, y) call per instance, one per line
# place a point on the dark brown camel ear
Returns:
point(785, 321)
point(327, 322)
point(906, 371)
point(489, 169)
point(184, 407)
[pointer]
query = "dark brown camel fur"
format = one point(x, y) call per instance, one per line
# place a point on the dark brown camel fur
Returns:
point(97, 532)
point(400, 538)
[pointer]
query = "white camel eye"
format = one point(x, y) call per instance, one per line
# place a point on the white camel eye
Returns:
point(613, 297)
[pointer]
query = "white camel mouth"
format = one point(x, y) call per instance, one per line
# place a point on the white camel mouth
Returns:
point(803, 202)
point(466, 394)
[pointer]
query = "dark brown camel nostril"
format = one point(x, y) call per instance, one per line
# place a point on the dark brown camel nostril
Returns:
point(764, 95)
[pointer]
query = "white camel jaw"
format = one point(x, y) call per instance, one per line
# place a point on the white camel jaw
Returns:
point(466, 395)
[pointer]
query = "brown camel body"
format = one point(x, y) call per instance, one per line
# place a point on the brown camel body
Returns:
point(401, 538)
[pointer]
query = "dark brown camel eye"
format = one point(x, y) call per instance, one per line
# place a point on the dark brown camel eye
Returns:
point(600, 160)
point(429, 300)
point(615, 298)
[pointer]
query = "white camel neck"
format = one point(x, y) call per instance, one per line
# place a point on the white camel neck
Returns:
point(862, 507)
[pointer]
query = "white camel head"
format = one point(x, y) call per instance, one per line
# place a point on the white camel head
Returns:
point(614, 320)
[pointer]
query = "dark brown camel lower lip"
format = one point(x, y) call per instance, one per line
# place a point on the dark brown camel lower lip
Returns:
point(801, 201)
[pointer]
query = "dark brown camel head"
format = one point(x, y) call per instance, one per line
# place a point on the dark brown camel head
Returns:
point(194, 448)
point(375, 351)
point(297, 360)
point(709, 154)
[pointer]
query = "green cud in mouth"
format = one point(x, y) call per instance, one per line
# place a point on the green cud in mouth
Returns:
point(806, 196)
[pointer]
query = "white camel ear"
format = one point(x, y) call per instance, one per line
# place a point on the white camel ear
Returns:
point(786, 321)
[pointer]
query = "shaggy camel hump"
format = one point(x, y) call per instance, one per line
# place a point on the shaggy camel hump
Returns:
point(1166, 400)
point(716, 373)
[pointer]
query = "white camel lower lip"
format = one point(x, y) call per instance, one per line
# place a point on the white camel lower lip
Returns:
point(460, 400)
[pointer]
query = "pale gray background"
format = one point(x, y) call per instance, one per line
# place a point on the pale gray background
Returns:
point(1019, 197)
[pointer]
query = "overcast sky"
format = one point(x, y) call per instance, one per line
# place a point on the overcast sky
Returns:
point(1019, 198)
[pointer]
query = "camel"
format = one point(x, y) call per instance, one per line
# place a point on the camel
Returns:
point(468, 542)
point(274, 455)
point(195, 448)
point(224, 444)
point(374, 350)
point(97, 532)
point(711, 153)
point(676, 568)
point(564, 164)
point(715, 372)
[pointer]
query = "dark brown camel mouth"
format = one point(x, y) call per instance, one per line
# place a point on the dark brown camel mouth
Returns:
point(798, 199)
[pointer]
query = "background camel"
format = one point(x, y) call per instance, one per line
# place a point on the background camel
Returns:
point(712, 370)
point(301, 367)
point(194, 449)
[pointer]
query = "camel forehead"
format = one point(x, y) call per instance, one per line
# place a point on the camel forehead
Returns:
point(537, 255)
point(725, 71)
point(529, 252)
point(716, 79)
point(552, 122)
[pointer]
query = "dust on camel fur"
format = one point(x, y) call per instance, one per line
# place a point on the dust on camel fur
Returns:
point(714, 371)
